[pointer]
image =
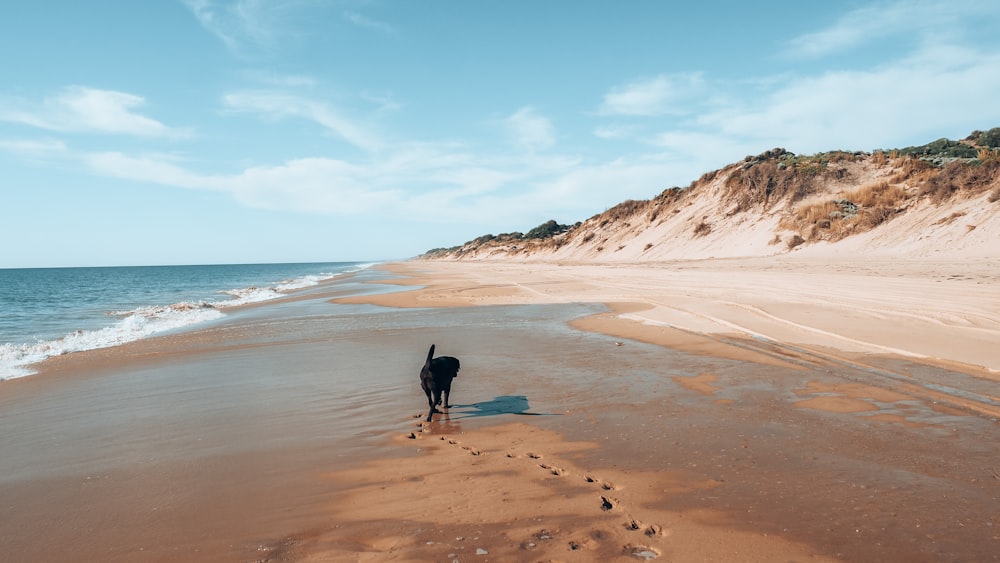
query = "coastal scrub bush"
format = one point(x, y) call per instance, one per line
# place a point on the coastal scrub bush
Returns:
point(971, 177)
point(702, 229)
point(990, 139)
point(765, 182)
point(667, 198)
point(941, 148)
point(855, 211)
point(881, 194)
point(625, 209)
point(547, 229)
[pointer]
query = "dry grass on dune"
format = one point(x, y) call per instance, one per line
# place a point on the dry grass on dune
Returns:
point(855, 211)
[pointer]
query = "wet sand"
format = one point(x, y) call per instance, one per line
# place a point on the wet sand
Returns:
point(580, 431)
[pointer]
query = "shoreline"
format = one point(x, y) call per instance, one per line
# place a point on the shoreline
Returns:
point(580, 431)
point(141, 317)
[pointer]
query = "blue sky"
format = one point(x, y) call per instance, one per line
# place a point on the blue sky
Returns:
point(204, 131)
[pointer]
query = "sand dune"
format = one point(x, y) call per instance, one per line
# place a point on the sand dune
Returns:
point(830, 206)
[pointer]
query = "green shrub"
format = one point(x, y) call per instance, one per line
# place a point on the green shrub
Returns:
point(547, 229)
point(989, 138)
point(941, 148)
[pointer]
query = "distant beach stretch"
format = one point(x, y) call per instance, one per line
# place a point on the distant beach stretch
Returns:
point(748, 409)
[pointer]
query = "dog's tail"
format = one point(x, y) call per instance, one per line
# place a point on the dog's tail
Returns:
point(430, 355)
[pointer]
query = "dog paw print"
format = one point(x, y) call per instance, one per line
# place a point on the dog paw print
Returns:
point(453, 442)
point(534, 456)
point(604, 485)
point(557, 471)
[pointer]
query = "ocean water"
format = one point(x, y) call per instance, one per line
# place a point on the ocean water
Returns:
point(47, 312)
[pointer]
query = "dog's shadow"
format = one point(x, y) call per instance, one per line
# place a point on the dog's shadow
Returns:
point(504, 404)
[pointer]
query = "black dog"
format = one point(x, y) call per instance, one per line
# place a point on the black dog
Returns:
point(435, 379)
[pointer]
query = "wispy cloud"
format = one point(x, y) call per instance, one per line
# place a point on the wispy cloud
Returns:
point(917, 20)
point(33, 148)
point(660, 95)
point(282, 105)
point(530, 130)
point(444, 183)
point(248, 28)
point(383, 102)
point(934, 90)
point(88, 110)
point(614, 131)
point(369, 23)
point(931, 90)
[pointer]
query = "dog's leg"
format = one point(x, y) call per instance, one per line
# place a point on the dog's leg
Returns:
point(433, 402)
point(431, 410)
point(430, 402)
point(447, 394)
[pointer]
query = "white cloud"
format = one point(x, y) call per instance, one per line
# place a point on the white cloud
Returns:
point(615, 131)
point(88, 110)
point(660, 95)
point(918, 19)
point(425, 182)
point(280, 105)
point(530, 130)
point(853, 29)
point(32, 147)
point(156, 169)
point(308, 185)
point(247, 28)
point(939, 89)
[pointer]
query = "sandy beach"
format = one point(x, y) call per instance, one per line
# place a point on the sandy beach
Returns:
point(719, 410)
